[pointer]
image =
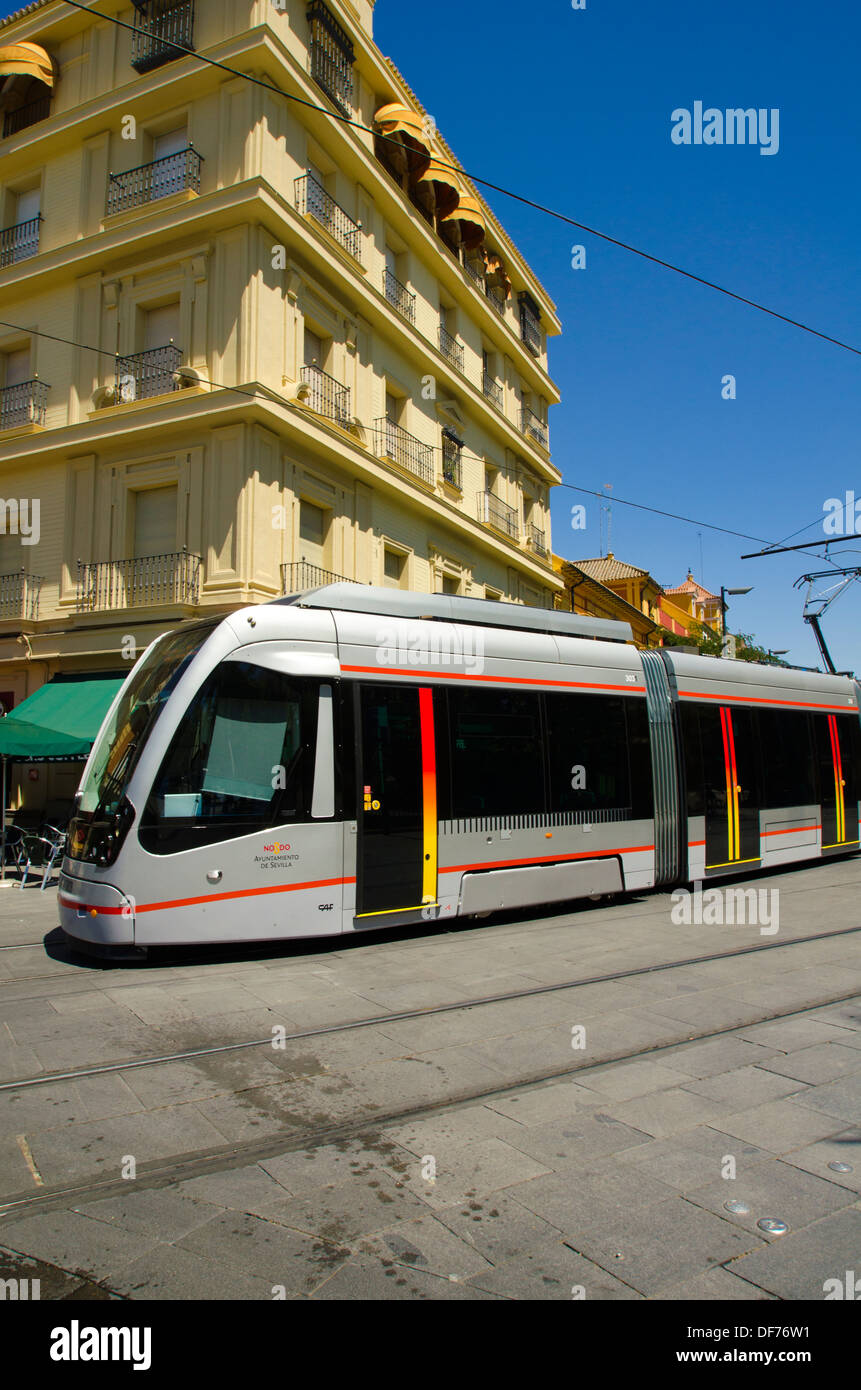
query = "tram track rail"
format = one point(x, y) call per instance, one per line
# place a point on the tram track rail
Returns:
point(182, 1167)
point(427, 1011)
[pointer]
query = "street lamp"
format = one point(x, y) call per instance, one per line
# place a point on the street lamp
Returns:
point(724, 605)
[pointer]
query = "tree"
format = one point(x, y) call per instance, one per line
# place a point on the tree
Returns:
point(710, 643)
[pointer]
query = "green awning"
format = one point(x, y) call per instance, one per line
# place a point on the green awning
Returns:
point(59, 722)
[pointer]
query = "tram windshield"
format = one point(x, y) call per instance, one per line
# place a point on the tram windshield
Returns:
point(123, 737)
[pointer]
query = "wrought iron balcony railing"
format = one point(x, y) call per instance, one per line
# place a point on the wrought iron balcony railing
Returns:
point(530, 329)
point(146, 582)
point(145, 374)
point(20, 241)
point(399, 296)
point(163, 31)
point(492, 389)
point(301, 575)
point(24, 404)
point(475, 271)
point(396, 443)
point(537, 540)
point(533, 427)
point(452, 460)
point(136, 187)
point(312, 200)
point(331, 56)
point(19, 596)
point(23, 116)
point(451, 348)
point(496, 513)
point(327, 396)
point(496, 299)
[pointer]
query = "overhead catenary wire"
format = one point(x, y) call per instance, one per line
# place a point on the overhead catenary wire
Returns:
point(487, 183)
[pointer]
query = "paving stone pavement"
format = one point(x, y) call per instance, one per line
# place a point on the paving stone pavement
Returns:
point(610, 1182)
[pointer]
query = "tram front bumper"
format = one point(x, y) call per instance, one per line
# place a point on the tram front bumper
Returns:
point(95, 912)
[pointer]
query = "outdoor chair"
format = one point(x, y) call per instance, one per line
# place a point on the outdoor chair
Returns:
point(16, 839)
point(52, 848)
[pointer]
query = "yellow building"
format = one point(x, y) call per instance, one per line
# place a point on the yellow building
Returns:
point(639, 599)
point(586, 594)
point(253, 347)
point(698, 604)
point(636, 586)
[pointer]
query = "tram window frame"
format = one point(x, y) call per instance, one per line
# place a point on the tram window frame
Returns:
point(786, 751)
point(852, 768)
point(694, 765)
point(593, 725)
point(165, 835)
point(638, 800)
point(510, 793)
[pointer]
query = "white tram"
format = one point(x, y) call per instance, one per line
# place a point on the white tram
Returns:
point(352, 757)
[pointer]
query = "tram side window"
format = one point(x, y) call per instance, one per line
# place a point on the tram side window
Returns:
point(587, 742)
point(787, 758)
point(241, 760)
point(496, 753)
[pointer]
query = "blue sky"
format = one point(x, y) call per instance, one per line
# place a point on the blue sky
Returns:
point(573, 108)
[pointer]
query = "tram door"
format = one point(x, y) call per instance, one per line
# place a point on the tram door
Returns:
point(838, 789)
point(396, 868)
point(732, 791)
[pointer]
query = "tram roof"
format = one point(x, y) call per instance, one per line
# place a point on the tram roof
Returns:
point(389, 603)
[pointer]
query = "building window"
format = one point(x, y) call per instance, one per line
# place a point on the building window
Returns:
point(332, 56)
point(396, 291)
point(452, 458)
point(161, 325)
point(448, 344)
point(21, 240)
point(314, 200)
point(30, 74)
point(155, 521)
point(174, 168)
point(23, 398)
point(323, 393)
point(163, 31)
point(489, 383)
point(155, 370)
point(165, 149)
point(447, 583)
point(313, 533)
point(394, 568)
point(16, 367)
point(315, 354)
point(530, 323)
